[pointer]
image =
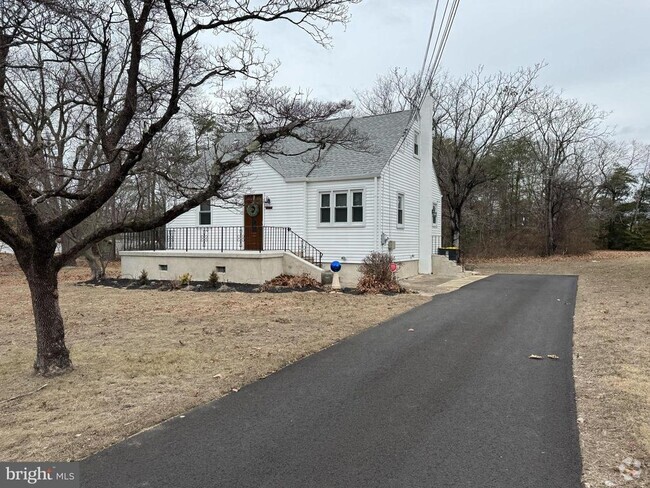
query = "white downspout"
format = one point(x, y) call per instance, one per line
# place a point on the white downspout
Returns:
point(426, 189)
point(305, 213)
point(377, 225)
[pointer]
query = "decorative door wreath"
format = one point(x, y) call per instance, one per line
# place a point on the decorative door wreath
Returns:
point(253, 209)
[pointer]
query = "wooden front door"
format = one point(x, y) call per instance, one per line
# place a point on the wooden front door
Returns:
point(253, 222)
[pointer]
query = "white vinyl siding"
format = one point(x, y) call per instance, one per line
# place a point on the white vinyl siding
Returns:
point(400, 176)
point(257, 178)
point(436, 231)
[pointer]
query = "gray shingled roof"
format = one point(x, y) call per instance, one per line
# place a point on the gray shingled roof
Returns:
point(382, 133)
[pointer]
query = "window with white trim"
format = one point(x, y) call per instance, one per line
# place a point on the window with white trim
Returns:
point(205, 213)
point(434, 215)
point(341, 207)
point(357, 206)
point(325, 208)
point(400, 210)
point(416, 143)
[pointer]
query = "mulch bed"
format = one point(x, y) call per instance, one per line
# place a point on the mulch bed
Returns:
point(195, 286)
point(206, 287)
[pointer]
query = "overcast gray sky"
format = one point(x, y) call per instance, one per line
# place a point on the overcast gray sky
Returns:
point(597, 50)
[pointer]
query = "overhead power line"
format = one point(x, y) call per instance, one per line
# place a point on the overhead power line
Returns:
point(442, 37)
point(426, 52)
point(445, 38)
point(432, 57)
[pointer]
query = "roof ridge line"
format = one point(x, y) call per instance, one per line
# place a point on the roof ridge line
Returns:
point(370, 115)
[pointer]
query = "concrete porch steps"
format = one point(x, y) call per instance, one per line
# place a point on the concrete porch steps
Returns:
point(442, 266)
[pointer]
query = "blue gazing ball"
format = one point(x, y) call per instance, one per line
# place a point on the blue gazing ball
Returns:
point(335, 266)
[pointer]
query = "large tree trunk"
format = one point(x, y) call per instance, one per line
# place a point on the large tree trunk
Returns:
point(455, 227)
point(52, 355)
point(456, 215)
point(549, 224)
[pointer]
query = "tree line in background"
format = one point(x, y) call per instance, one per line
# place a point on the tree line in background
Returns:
point(523, 169)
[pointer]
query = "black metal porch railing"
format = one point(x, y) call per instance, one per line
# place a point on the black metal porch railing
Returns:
point(148, 240)
point(222, 239)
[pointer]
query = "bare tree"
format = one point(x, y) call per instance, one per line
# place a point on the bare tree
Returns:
point(393, 92)
point(477, 114)
point(86, 90)
point(473, 116)
point(562, 131)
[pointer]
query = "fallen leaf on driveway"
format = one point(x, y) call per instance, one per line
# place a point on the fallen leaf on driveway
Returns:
point(552, 356)
point(411, 330)
point(535, 356)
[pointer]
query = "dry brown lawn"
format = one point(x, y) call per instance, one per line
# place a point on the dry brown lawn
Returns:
point(611, 356)
point(144, 356)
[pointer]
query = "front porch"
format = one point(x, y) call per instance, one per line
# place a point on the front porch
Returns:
point(253, 267)
point(222, 239)
point(239, 254)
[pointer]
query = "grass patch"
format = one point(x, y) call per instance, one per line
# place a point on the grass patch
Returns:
point(143, 356)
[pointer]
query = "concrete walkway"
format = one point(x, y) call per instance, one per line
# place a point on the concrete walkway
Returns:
point(431, 284)
point(442, 396)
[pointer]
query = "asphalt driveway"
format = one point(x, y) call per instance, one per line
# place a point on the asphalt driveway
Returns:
point(442, 396)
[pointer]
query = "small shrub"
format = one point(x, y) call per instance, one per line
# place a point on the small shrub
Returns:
point(185, 279)
point(290, 281)
point(143, 279)
point(213, 279)
point(376, 276)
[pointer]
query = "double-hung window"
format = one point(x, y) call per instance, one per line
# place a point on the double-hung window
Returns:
point(341, 207)
point(400, 210)
point(357, 206)
point(416, 143)
point(325, 208)
point(205, 213)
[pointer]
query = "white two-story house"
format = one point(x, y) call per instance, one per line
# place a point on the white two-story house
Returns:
point(341, 207)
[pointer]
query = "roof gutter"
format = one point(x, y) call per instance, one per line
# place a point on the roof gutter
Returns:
point(332, 178)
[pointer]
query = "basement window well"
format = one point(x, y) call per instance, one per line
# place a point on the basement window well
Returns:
point(162, 267)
